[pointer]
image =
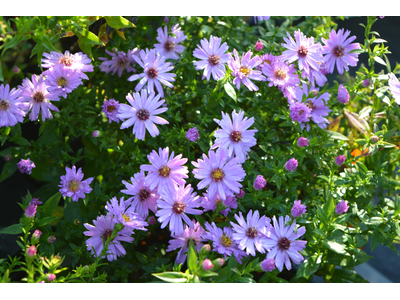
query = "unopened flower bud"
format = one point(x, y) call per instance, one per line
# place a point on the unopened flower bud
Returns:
point(50, 277)
point(36, 236)
point(340, 160)
point(206, 248)
point(303, 142)
point(374, 139)
point(241, 194)
point(7, 157)
point(95, 133)
point(76, 222)
point(366, 82)
point(15, 69)
point(259, 45)
point(51, 239)
point(207, 265)
point(219, 262)
point(260, 182)
point(151, 220)
point(31, 251)
point(268, 264)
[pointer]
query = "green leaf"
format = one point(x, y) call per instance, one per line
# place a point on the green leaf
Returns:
point(118, 22)
point(45, 42)
point(245, 280)
point(46, 220)
point(84, 44)
point(308, 267)
point(203, 273)
point(230, 91)
point(1, 73)
point(344, 275)
point(174, 277)
point(375, 239)
point(21, 141)
point(142, 258)
point(192, 258)
point(50, 205)
point(379, 60)
point(13, 229)
point(89, 36)
point(8, 169)
point(336, 135)
point(335, 247)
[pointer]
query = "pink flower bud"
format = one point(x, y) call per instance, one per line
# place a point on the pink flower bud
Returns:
point(31, 251)
point(15, 69)
point(50, 277)
point(51, 239)
point(259, 45)
point(268, 265)
point(206, 248)
point(207, 265)
point(95, 133)
point(241, 194)
point(291, 165)
point(341, 207)
point(260, 182)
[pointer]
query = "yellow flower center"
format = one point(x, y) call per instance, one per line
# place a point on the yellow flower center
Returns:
point(217, 175)
point(73, 185)
point(245, 71)
point(225, 241)
point(62, 81)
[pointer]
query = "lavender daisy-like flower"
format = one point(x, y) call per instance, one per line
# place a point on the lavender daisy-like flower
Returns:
point(341, 207)
point(213, 57)
point(298, 209)
point(155, 71)
point(110, 109)
point(394, 87)
point(61, 81)
point(143, 198)
point(125, 214)
point(343, 95)
point(119, 62)
point(165, 172)
point(220, 173)
point(72, 184)
point(168, 45)
point(223, 241)
point(234, 134)
point(266, 59)
point(283, 242)
point(36, 94)
point(26, 166)
point(183, 240)
point(174, 205)
point(78, 62)
point(304, 50)
point(102, 229)
point(12, 109)
point(243, 71)
point(300, 112)
point(250, 234)
point(142, 113)
point(281, 74)
point(337, 49)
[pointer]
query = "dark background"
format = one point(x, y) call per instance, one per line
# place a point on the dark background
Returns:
point(16, 186)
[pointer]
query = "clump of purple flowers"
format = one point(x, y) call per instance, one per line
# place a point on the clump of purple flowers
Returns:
point(298, 209)
point(291, 165)
point(341, 207)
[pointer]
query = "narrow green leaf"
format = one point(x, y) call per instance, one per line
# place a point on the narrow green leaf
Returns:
point(46, 220)
point(379, 60)
point(335, 247)
point(88, 35)
point(336, 135)
point(9, 169)
point(230, 91)
point(192, 258)
point(375, 239)
point(203, 273)
point(118, 22)
point(174, 277)
point(13, 229)
point(50, 205)
point(45, 42)
point(345, 275)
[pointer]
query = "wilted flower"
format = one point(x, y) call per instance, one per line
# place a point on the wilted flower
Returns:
point(260, 182)
point(26, 166)
point(291, 165)
point(110, 109)
point(51, 239)
point(343, 95)
point(192, 134)
point(30, 210)
point(298, 209)
point(241, 194)
point(119, 62)
point(341, 207)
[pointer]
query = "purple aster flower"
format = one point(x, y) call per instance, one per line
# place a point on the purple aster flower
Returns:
point(213, 57)
point(72, 184)
point(234, 134)
point(259, 45)
point(125, 214)
point(304, 50)
point(366, 82)
point(144, 198)
point(102, 229)
point(337, 49)
point(78, 62)
point(300, 112)
point(268, 265)
point(174, 205)
point(26, 166)
point(182, 241)
point(298, 209)
point(241, 194)
point(284, 244)
point(192, 134)
point(252, 233)
point(343, 95)
point(266, 59)
point(317, 105)
point(314, 75)
point(110, 109)
point(168, 45)
point(12, 109)
point(260, 182)
point(30, 210)
point(303, 142)
point(261, 18)
point(165, 172)
point(61, 81)
point(155, 71)
point(243, 71)
point(210, 203)
point(119, 62)
point(230, 202)
point(225, 212)
point(95, 133)
point(341, 207)
point(219, 173)
point(281, 74)
point(291, 165)
point(340, 160)
point(142, 113)
point(35, 93)
point(35, 201)
point(223, 241)
point(394, 88)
